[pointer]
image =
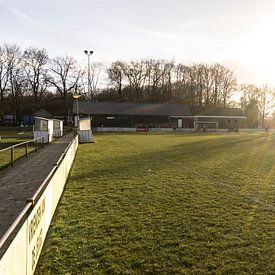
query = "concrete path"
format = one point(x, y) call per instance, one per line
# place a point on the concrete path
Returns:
point(20, 182)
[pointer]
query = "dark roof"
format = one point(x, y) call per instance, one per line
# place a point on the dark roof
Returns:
point(42, 113)
point(220, 112)
point(145, 109)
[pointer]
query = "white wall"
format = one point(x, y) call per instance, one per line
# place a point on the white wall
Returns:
point(40, 134)
point(22, 254)
point(121, 129)
point(57, 128)
point(85, 124)
point(255, 130)
point(161, 129)
point(115, 129)
point(85, 136)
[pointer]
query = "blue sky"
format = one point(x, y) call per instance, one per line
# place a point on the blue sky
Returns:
point(239, 34)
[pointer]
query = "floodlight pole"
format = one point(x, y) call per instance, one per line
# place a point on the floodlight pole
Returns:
point(89, 53)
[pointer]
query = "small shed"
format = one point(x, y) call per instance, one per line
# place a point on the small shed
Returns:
point(57, 128)
point(85, 130)
point(42, 113)
point(43, 129)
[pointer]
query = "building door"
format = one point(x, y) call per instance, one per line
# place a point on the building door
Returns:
point(180, 123)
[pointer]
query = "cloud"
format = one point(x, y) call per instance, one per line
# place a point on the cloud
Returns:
point(21, 15)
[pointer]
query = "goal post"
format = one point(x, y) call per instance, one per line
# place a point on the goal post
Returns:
point(204, 125)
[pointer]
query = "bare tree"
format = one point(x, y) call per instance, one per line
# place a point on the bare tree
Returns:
point(182, 82)
point(4, 78)
point(15, 86)
point(15, 77)
point(257, 102)
point(135, 73)
point(18, 84)
point(250, 93)
point(95, 71)
point(198, 70)
point(167, 79)
point(217, 71)
point(115, 74)
point(156, 79)
point(35, 61)
point(65, 76)
point(208, 83)
point(265, 103)
point(229, 84)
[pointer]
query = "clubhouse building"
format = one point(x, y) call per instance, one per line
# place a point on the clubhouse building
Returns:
point(159, 115)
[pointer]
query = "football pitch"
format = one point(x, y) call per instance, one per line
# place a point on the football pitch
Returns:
point(167, 204)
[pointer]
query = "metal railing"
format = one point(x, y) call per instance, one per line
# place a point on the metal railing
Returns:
point(37, 142)
point(30, 202)
point(24, 153)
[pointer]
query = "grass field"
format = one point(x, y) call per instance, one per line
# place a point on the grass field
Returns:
point(15, 131)
point(11, 136)
point(167, 204)
point(19, 152)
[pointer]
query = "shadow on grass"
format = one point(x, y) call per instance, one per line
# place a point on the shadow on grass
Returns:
point(208, 149)
point(190, 160)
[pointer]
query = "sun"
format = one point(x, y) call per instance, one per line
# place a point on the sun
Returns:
point(257, 48)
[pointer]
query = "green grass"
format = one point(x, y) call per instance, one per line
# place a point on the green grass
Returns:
point(19, 152)
point(167, 204)
point(16, 132)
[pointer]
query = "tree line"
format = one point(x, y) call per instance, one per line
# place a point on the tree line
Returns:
point(162, 81)
point(32, 73)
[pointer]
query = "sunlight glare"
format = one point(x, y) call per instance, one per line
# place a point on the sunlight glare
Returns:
point(258, 48)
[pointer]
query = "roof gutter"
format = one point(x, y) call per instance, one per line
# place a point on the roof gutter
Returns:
point(199, 116)
point(181, 116)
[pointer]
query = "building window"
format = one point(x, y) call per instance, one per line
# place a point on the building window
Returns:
point(236, 121)
point(229, 121)
point(56, 124)
point(41, 125)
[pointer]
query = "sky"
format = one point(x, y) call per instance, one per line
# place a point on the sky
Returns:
point(239, 34)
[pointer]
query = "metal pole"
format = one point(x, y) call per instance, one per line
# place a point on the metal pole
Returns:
point(89, 77)
point(12, 156)
point(76, 97)
point(26, 149)
point(77, 113)
point(89, 84)
point(89, 53)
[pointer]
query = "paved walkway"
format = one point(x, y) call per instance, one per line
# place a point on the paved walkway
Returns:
point(20, 182)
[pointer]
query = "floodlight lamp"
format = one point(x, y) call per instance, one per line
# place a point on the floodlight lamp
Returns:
point(76, 96)
point(85, 51)
point(91, 52)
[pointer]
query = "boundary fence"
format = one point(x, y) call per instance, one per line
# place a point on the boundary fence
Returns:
point(21, 245)
point(26, 151)
point(12, 155)
point(187, 130)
